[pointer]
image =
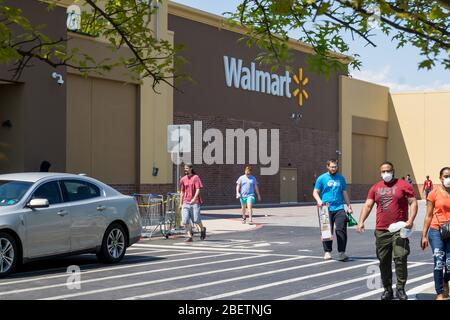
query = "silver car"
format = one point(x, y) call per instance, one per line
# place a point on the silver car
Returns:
point(50, 214)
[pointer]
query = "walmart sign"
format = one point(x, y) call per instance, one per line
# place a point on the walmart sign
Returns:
point(249, 78)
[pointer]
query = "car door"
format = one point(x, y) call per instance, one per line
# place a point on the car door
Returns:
point(48, 229)
point(86, 206)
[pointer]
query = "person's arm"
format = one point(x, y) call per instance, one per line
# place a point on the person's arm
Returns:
point(347, 201)
point(426, 224)
point(238, 190)
point(257, 192)
point(181, 198)
point(365, 211)
point(413, 209)
point(181, 188)
point(198, 186)
point(194, 199)
point(316, 195)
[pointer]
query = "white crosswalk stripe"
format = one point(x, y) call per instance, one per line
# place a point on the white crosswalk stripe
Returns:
point(335, 285)
point(158, 270)
point(378, 291)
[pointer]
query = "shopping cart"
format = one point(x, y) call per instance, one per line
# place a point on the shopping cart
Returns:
point(172, 219)
point(151, 209)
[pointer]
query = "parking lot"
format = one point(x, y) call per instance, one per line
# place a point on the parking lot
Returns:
point(271, 262)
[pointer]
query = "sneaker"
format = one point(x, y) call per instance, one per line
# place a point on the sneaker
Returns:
point(401, 294)
point(342, 256)
point(189, 239)
point(244, 220)
point(387, 294)
point(327, 256)
point(203, 234)
point(446, 289)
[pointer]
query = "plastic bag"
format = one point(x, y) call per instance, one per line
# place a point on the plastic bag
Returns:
point(351, 221)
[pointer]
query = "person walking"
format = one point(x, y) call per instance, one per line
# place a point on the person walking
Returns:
point(246, 187)
point(331, 188)
point(393, 198)
point(45, 166)
point(438, 214)
point(190, 200)
point(427, 187)
point(409, 179)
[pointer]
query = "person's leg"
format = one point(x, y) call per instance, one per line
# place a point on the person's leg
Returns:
point(447, 268)
point(250, 202)
point(185, 220)
point(243, 204)
point(437, 247)
point(198, 220)
point(401, 251)
point(383, 245)
point(328, 244)
point(340, 220)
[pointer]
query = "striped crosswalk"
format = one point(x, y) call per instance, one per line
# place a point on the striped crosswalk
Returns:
point(239, 270)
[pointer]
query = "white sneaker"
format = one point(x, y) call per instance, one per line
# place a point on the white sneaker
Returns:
point(342, 256)
point(327, 256)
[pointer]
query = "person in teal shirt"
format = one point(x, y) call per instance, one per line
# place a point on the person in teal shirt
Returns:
point(331, 189)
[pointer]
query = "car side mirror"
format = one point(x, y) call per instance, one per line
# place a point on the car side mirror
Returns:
point(38, 203)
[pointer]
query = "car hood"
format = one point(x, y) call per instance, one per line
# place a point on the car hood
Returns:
point(8, 209)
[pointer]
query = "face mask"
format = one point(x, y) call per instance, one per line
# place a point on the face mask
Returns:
point(447, 182)
point(387, 176)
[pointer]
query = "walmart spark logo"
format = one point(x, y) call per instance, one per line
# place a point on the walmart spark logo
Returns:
point(300, 91)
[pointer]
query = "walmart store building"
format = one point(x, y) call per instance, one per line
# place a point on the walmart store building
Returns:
point(116, 131)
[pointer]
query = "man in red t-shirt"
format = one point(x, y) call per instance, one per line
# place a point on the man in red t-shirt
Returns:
point(427, 186)
point(190, 201)
point(393, 198)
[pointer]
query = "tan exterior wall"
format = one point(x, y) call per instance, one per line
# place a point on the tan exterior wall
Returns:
point(418, 134)
point(363, 112)
point(156, 113)
point(102, 129)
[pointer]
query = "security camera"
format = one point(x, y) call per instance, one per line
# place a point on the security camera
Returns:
point(58, 76)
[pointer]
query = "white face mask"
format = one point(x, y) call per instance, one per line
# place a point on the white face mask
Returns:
point(387, 176)
point(447, 182)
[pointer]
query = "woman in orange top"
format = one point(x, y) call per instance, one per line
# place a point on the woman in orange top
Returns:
point(438, 213)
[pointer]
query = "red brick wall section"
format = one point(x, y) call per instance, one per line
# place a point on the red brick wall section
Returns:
point(303, 148)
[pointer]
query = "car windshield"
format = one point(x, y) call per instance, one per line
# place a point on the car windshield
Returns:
point(12, 191)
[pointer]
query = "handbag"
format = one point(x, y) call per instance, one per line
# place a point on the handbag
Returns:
point(351, 222)
point(444, 229)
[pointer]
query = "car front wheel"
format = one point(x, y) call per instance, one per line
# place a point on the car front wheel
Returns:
point(114, 244)
point(8, 254)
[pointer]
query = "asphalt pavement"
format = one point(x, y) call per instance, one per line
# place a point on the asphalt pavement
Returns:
point(278, 257)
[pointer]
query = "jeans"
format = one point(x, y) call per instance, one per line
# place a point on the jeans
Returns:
point(340, 219)
point(441, 255)
point(390, 244)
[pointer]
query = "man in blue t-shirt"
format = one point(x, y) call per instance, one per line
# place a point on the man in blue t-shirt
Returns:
point(331, 189)
point(246, 186)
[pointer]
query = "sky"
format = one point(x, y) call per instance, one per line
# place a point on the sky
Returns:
point(385, 65)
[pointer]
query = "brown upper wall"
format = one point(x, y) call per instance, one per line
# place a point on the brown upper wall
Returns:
point(42, 101)
point(205, 48)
